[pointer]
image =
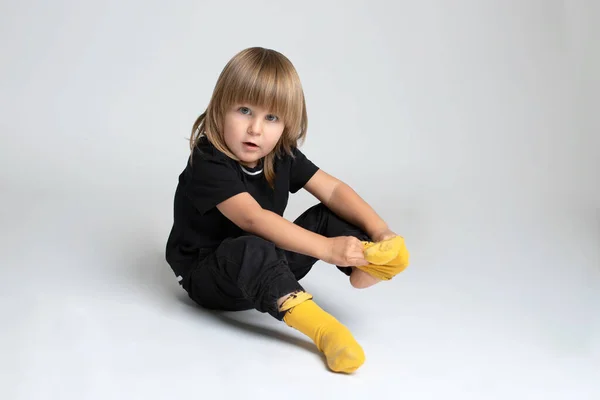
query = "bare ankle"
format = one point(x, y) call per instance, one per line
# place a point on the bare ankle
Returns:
point(282, 299)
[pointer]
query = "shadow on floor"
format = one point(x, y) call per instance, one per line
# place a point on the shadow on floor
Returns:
point(229, 318)
point(157, 279)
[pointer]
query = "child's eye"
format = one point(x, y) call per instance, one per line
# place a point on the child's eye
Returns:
point(272, 117)
point(244, 110)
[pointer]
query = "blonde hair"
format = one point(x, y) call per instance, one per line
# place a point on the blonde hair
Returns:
point(264, 78)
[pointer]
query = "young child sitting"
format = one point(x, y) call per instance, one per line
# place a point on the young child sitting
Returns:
point(230, 246)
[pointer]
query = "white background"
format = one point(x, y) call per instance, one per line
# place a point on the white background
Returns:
point(471, 126)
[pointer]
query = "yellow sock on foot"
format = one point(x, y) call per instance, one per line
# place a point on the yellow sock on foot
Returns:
point(386, 258)
point(333, 339)
point(381, 253)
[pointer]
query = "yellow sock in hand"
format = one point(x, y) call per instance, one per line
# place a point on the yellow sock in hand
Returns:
point(386, 258)
point(333, 339)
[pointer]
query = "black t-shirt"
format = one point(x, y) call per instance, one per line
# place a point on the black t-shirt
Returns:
point(210, 178)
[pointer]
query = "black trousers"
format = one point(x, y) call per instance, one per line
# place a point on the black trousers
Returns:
point(250, 272)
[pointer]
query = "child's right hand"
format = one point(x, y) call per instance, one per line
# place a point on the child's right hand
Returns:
point(345, 251)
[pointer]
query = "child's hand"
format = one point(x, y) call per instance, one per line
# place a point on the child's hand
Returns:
point(383, 235)
point(345, 251)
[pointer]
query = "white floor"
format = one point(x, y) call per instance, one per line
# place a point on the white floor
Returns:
point(491, 307)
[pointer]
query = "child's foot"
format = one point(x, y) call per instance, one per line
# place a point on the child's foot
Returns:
point(380, 253)
point(387, 258)
point(333, 339)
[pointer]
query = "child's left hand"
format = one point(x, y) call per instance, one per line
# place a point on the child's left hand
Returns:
point(383, 235)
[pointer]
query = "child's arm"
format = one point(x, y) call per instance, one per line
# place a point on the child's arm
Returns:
point(346, 203)
point(245, 212)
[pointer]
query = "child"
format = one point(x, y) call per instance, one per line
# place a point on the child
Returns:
point(230, 246)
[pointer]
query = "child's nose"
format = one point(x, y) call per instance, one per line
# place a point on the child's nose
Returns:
point(255, 127)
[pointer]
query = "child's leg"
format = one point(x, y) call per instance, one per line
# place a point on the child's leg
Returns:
point(321, 220)
point(333, 339)
point(341, 350)
point(250, 272)
point(242, 273)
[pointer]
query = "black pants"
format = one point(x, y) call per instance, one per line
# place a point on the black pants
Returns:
point(250, 272)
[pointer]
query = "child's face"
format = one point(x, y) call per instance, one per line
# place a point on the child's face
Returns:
point(251, 132)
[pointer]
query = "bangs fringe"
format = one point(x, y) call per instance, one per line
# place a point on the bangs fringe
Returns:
point(267, 83)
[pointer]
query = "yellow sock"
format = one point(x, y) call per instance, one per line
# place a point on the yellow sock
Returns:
point(386, 258)
point(333, 339)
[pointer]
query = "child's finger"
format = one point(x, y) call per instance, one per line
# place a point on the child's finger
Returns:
point(359, 262)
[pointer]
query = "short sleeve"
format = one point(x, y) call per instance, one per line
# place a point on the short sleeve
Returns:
point(301, 170)
point(212, 179)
